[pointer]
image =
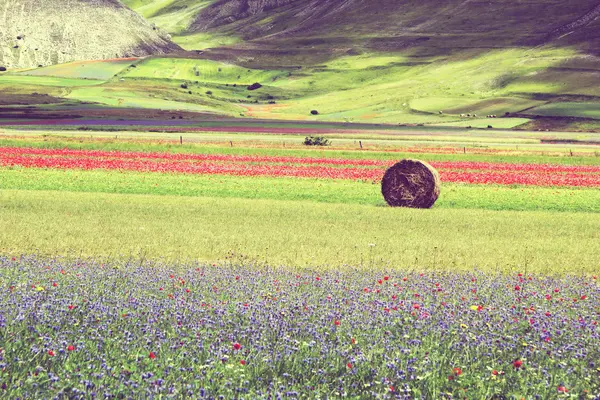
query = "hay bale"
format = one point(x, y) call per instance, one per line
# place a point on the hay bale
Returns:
point(411, 183)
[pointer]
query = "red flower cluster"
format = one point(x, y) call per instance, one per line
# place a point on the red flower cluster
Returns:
point(303, 167)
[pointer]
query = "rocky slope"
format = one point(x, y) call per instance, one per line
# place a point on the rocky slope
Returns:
point(34, 32)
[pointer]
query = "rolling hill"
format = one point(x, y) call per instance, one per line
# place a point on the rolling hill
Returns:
point(39, 33)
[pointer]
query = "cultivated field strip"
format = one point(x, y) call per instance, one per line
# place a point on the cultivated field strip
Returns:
point(302, 167)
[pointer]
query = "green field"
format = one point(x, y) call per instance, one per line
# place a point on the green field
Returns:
point(295, 221)
point(298, 233)
point(206, 71)
point(346, 145)
point(374, 87)
point(454, 196)
point(586, 110)
point(17, 80)
point(98, 70)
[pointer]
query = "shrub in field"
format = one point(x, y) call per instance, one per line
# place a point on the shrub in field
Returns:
point(316, 141)
point(254, 86)
point(411, 183)
point(2, 69)
point(314, 112)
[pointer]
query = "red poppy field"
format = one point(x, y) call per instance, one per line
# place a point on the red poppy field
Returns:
point(467, 172)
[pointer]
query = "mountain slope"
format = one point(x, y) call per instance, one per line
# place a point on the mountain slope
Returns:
point(485, 23)
point(311, 32)
point(34, 32)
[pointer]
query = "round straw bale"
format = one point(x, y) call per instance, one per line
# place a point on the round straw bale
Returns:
point(411, 183)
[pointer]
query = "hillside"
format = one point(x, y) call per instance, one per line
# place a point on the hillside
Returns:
point(34, 33)
point(492, 23)
point(453, 63)
point(387, 25)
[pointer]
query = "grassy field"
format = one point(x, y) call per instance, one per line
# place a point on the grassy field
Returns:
point(285, 232)
point(454, 196)
point(587, 110)
point(16, 80)
point(295, 221)
point(346, 146)
point(206, 71)
point(98, 70)
point(374, 87)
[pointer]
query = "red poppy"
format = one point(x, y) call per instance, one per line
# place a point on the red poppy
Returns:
point(518, 364)
point(562, 389)
point(71, 348)
point(353, 341)
point(517, 287)
point(385, 278)
point(242, 362)
point(583, 297)
point(457, 371)
point(54, 284)
point(50, 353)
point(237, 346)
point(337, 322)
point(152, 356)
point(494, 372)
point(71, 306)
point(349, 365)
